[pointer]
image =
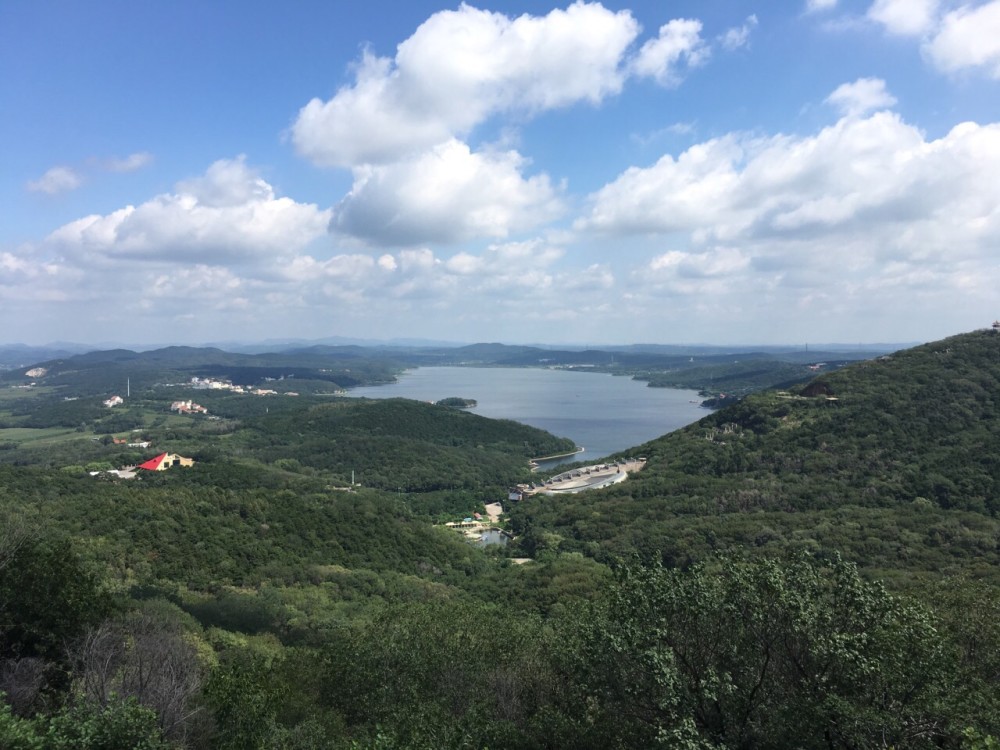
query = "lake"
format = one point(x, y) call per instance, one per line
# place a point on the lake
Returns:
point(602, 413)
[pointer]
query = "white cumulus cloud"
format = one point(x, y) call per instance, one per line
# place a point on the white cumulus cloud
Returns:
point(964, 37)
point(457, 69)
point(861, 97)
point(816, 6)
point(63, 179)
point(56, 180)
point(678, 45)
point(904, 17)
point(952, 40)
point(716, 262)
point(130, 163)
point(227, 183)
point(738, 36)
point(968, 37)
point(197, 281)
point(446, 194)
point(21, 267)
point(228, 213)
point(673, 195)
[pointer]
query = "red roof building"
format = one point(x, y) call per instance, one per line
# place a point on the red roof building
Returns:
point(164, 461)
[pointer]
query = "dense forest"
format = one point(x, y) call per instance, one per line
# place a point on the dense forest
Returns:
point(813, 566)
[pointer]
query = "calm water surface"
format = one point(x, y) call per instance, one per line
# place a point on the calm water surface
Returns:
point(602, 413)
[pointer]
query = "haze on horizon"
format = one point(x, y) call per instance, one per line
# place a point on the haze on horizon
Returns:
point(507, 171)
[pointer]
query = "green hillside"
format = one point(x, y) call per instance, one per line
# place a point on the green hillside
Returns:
point(892, 461)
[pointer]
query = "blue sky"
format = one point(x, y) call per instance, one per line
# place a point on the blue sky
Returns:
point(670, 172)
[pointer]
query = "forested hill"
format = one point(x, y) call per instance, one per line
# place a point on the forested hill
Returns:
point(108, 371)
point(404, 444)
point(892, 460)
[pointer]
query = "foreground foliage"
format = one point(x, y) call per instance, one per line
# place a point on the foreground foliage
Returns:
point(814, 568)
point(735, 653)
point(767, 654)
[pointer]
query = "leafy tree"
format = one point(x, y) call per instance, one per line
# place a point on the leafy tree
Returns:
point(121, 725)
point(968, 614)
point(774, 654)
point(47, 597)
point(244, 701)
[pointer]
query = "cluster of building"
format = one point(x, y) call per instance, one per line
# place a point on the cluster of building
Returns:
point(579, 480)
point(214, 385)
point(188, 407)
point(127, 444)
point(472, 526)
point(225, 385)
point(166, 461)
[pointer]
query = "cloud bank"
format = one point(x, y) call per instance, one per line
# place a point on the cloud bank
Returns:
point(863, 217)
point(866, 209)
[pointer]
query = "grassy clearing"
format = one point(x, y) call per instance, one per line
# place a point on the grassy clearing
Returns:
point(38, 435)
point(167, 420)
point(13, 392)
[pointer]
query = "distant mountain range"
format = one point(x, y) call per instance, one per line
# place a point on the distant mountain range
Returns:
point(21, 355)
point(17, 355)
